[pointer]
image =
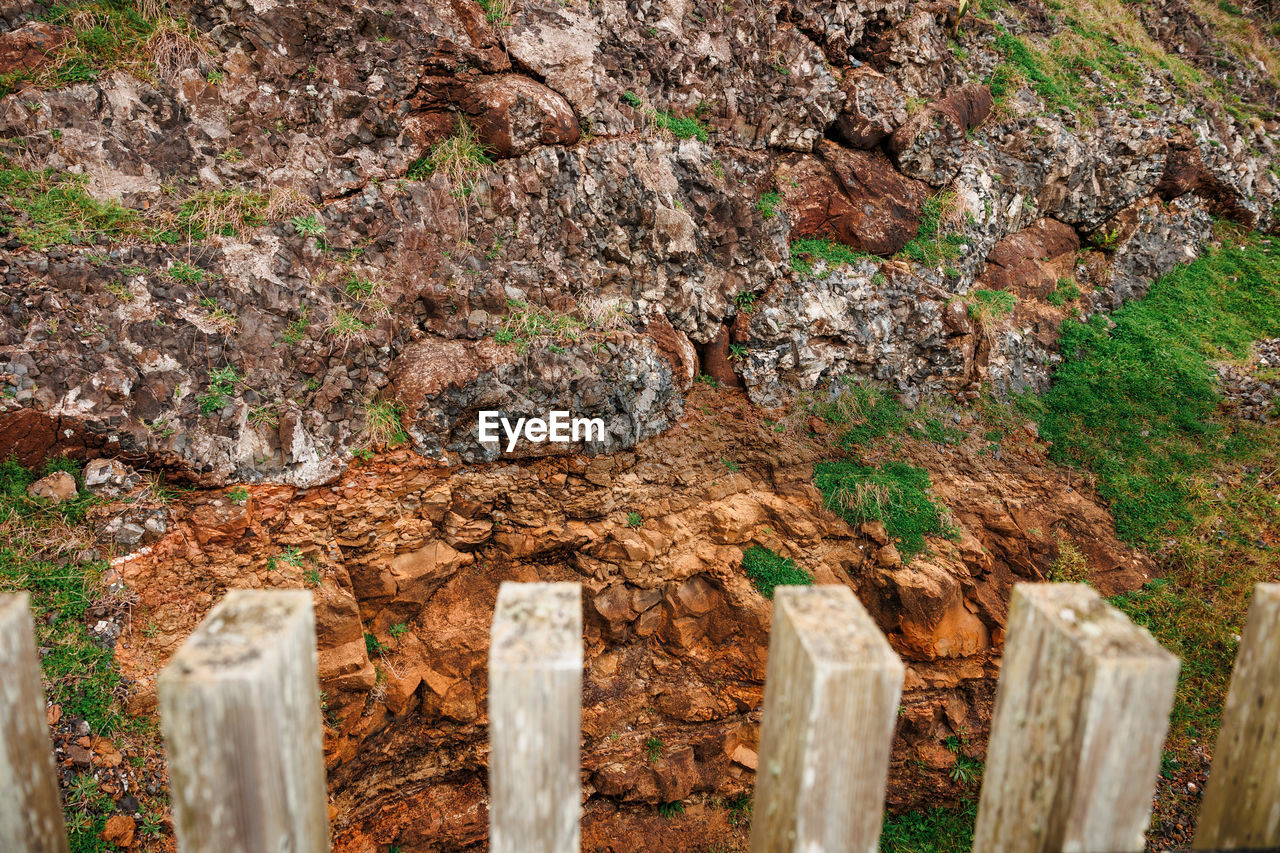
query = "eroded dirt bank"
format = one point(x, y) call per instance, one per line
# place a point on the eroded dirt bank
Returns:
point(405, 558)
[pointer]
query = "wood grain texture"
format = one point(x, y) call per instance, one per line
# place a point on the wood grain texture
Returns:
point(830, 705)
point(1081, 713)
point(1241, 808)
point(30, 810)
point(535, 718)
point(240, 711)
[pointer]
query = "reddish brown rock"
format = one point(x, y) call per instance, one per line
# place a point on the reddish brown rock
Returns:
point(30, 46)
point(930, 144)
point(716, 363)
point(119, 830)
point(513, 113)
point(854, 197)
point(1030, 262)
point(676, 346)
point(55, 488)
point(1185, 172)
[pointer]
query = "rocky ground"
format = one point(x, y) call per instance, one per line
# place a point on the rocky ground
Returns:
point(280, 255)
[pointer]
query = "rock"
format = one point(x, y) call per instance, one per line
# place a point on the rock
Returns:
point(119, 830)
point(513, 113)
point(79, 755)
point(716, 362)
point(1030, 262)
point(875, 530)
point(888, 556)
point(55, 488)
point(108, 477)
point(873, 108)
point(930, 144)
point(31, 45)
point(854, 197)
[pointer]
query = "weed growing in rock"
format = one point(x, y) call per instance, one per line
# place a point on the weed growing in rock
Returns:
point(865, 412)
point(653, 748)
point(1065, 291)
point(895, 494)
point(631, 99)
point(808, 251)
point(635, 519)
point(745, 301)
point(497, 12)
point(185, 273)
point(669, 810)
point(263, 416)
point(373, 645)
point(930, 246)
point(767, 569)
point(682, 128)
point(308, 225)
point(460, 158)
point(737, 352)
point(346, 327)
point(382, 423)
point(398, 630)
point(937, 830)
point(989, 306)
point(529, 323)
point(768, 205)
point(222, 387)
point(221, 212)
point(238, 496)
point(48, 208)
point(296, 332)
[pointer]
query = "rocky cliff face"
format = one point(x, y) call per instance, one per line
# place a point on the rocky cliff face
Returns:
point(307, 232)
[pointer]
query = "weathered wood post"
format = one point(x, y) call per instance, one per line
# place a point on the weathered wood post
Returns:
point(830, 705)
point(1241, 808)
point(535, 718)
point(30, 810)
point(1081, 713)
point(240, 709)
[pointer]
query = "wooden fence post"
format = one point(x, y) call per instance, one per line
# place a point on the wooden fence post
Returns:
point(1241, 808)
point(240, 709)
point(1081, 713)
point(535, 718)
point(30, 808)
point(830, 706)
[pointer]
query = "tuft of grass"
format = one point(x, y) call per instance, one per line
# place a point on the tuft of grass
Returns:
point(895, 494)
point(631, 99)
point(497, 12)
point(1065, 291)
point(529, 323)
point(937, 830)
point(48, 208)
point(222, 212)
point(768, 569)
point(460, 158)
point(687, 127)
point(653, 748)
point(382, 423)
point(373, 645)
point(930, 246)
point(808, 251)
point(989, 306)
point(346, 327)
point(866, 413)
point(768, 205)
point(669, 810)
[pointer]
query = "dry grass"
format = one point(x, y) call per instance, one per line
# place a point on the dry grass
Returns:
point(602, 313)
point(284, 203)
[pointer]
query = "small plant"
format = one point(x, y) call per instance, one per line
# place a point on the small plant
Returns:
point(767, 569)
point(238, 496)
point(382, 423)
point(987, 306)
point(497, 12)
point(307, 226)
point(681, 128)
point(263, 416)
point(215, 77)
point(631, 99)
point(895, 494)
point(669, 810)
point(311, 577)
point(746, 301)
point(292, 555)
point(768, 205)
point(296, 332)
point(653, 748)
point(739, 809)
point(399, 630)
point(807, 252)
point(222, 386)
point(120, 291)
point(184, 273)
point(360, 288)
point(1066, 291)
point(730, 464)
point(231, 155)
point(461, 158)
point(346, 327)
point(930, 246)
point(634, 519)
point(373, 645)
point(737, 352)
point(709, 381)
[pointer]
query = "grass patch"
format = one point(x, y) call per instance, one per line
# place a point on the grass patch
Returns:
point(529, 323)
point(1137, 404)
point(895, 494)
point(222, 387)
point(1066, 290)
point(808, 251)
point(382, 423)
point(930, 246)
point(934, 831)
point(460, 158)
point(768, 205)
point(47, 208)
point(989, 306)
point(864, 411)
point(682, 128)
point(767, 569)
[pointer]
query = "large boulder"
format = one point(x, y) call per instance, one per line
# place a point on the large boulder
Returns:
point(513, 113)
point(930, 145)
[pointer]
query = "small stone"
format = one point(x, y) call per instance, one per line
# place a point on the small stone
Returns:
point(875, 531)
point(128, 803)
point(79, 755)
point(56, 488)
point(119, 830)
point(888, 556)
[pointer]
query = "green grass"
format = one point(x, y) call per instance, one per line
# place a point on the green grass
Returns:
point(767, 569)
point(383, 424)
point(808, 251)
point(895, 494)
point(461, 158)
point(864, 411)
point(529, 323)
point(930, 246)
point(1137, 404)
point(222, 387)
point(987, 306)
point(683, 128)
point(936, 830)
point(768, 205)
point(1066, 290)
point(58, 209)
